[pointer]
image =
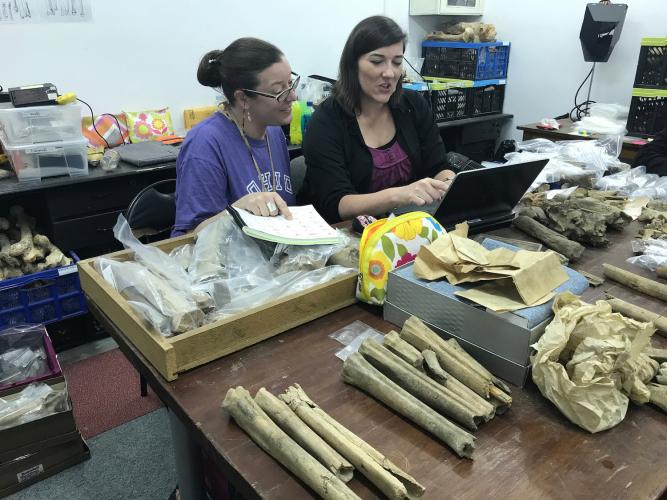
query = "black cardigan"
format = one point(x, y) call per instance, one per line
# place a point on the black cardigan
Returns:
point(654, 155)
point(339, 163)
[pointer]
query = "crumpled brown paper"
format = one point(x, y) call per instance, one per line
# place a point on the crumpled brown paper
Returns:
point(588, 362)
point(521, 278)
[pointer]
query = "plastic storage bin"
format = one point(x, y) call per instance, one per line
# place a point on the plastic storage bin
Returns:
point(648, 112)
point(21, 126)
point(652, 64)
point(35, 338)
point(42, 297)
point(466, 61)
point(34, 161)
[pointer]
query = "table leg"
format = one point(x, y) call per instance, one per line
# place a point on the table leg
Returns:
point(188, 461)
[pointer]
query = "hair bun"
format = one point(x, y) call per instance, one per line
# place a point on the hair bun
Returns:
point(208, 72)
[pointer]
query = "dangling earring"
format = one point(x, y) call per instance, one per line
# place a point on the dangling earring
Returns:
point(243, 119)
point(249, 118)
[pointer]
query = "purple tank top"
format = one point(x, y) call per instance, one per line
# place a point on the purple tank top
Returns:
point(391, 167)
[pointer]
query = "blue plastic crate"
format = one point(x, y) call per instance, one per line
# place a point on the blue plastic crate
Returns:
point(42, 297)
point(465, 61)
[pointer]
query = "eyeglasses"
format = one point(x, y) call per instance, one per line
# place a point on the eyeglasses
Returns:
point(281, 96)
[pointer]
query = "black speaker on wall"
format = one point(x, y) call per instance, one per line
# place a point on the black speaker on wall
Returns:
point(601, 30)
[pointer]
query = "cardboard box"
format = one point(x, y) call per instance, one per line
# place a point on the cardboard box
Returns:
point(508, 334)
point(503, 368)
point(18, 440)
point(33, 339)
point(193, 116)
point(173, 355)
point(46, 460)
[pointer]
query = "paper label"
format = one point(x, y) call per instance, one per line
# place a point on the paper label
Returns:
point(49, 149)
point(62, 271)
point(30, 473)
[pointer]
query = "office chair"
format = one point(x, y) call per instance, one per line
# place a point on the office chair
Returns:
point(152, 212)
point(297, 167)
point(151, 215)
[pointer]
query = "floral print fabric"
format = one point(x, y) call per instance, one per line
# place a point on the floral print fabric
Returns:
point(390, 243)
point(149, 125)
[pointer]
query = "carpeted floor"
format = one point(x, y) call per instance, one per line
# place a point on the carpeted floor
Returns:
point(133, 461)
point(105, 393)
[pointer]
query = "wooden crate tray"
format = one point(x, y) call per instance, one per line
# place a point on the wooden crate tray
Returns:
point(174, 355)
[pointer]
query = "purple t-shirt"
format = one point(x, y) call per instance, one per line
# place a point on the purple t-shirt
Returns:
point(391, 167)
point(214, 169)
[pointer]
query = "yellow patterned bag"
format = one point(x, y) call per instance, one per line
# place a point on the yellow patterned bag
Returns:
point(387, 244)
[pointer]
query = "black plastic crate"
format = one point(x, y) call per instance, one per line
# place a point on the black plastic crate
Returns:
point(648, 112)
point(465, 61)
point(652, 64)
point(450, 104)
point(486, 100)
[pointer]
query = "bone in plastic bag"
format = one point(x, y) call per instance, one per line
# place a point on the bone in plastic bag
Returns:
point(136, 283)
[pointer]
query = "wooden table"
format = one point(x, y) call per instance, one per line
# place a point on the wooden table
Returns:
point(566, 132)
point(533, 451)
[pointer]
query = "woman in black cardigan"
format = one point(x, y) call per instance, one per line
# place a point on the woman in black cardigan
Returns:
point(372, 146)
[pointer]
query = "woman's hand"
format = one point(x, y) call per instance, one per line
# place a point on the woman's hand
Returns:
point(266, 204)
point(446, 176)
point(421, 192)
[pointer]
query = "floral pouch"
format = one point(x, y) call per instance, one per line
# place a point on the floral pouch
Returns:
point(387, 244)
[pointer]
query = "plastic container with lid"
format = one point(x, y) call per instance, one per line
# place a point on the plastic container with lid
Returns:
point(37, 124)
point(35, 161)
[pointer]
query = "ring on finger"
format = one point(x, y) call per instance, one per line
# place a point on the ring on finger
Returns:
point(271, 207)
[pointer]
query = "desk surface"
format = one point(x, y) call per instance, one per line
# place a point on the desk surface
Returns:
point(95, 174)
point(475, 120)
point(532, 451)
point(566, 132)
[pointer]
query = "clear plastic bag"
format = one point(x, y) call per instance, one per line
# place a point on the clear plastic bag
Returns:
point(22, 354)
point(601, 125)
point(36, 401)
point(287, 258)
point(280, 286)
point(654, 253)
point(572, 162)
point(158, 262)
point(313, 90)
point(232, 270)
point(223, 251)
point(153, 317)
point(137, 283)
point(352, 336)
point(635, 183)
point(183, 255)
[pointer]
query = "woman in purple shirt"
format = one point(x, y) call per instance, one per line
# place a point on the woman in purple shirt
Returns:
point(239, 155)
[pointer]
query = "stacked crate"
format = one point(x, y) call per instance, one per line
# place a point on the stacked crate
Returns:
point(35, 441)
point(472, 77)
point(648, 108)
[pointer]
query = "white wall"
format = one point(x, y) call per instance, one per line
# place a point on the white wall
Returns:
point(144, 54)
point(546, 61)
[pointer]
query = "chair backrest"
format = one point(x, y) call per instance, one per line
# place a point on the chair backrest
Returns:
point(297, 173)
point(152, 212)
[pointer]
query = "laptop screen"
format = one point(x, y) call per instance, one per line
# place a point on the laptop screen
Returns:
point(487, 193)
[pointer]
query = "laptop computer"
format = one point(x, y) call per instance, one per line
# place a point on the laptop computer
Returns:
point(142, 154)
point(485, 198)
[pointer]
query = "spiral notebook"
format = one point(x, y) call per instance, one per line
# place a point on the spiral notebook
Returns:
point(307, 227)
